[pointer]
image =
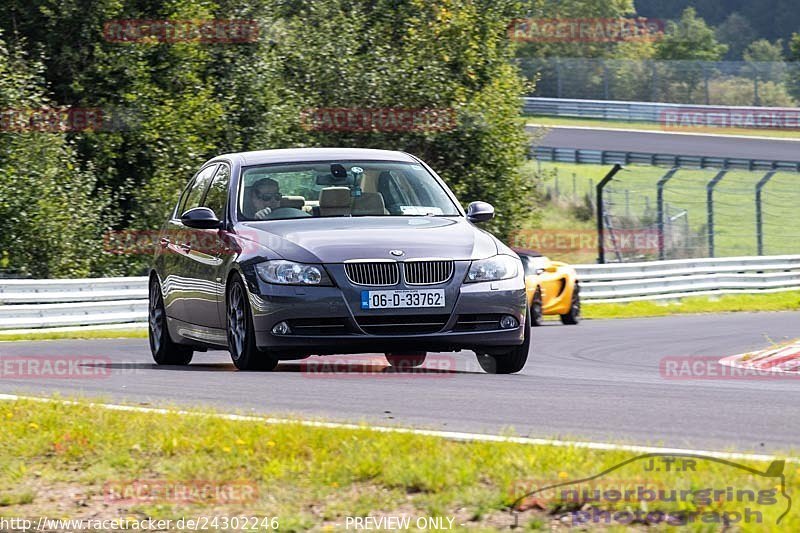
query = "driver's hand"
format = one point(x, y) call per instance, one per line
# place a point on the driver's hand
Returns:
point(263, 214)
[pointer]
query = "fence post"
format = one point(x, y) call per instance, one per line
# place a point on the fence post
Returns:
point(759, 217)
point(660, 209)
point(574, 187)
point(601, 252)
point(654, 81)
point(558, 78)
point(710, 209)
point(756, 99)
point(627, 204)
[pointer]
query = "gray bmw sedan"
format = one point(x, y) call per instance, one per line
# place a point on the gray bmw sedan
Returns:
point(281, 254)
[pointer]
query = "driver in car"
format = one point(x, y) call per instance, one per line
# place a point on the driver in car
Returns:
point(264, 197)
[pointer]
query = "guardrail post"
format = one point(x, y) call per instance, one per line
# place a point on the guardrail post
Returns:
point(601, 252)
point(660, 209)
point(759, 216)
point(710, 209)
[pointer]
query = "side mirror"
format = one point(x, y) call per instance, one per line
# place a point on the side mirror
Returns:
point(480, 212)
point(200, 218)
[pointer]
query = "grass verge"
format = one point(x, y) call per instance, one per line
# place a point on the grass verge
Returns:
point(778, 301)
point(619, 124)
point(133, 333)
point(79, 461)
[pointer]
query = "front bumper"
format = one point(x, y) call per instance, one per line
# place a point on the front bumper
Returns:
point(330, 320)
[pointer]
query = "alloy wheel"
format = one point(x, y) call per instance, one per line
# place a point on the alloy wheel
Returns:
point(236, 321)
point(156, 317)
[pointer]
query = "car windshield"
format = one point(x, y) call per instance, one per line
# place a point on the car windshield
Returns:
point(341, 188)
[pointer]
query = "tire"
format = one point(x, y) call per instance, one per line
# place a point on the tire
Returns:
point(511, 361)
point(574, 315)
point(406, 360)
point(537, 317)
point(241, 333)
point(165, 351)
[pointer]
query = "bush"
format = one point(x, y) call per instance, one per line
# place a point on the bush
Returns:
point(191, 101)
point(51, 213)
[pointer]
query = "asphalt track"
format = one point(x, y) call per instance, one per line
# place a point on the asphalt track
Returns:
point(598, 381)
point(669, 143)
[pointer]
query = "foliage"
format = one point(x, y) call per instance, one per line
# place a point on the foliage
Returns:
point(690, 38)
point(50, 209)
point(176, 104)
point(737, 32)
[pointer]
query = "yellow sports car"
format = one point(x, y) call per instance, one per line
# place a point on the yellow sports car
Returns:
point(552, 288)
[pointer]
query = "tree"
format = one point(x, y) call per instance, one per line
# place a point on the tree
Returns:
point(448, 54)
point(689, 38)
point(51, 211)
point(184, 102)
point(737, 32)
point(691, 43)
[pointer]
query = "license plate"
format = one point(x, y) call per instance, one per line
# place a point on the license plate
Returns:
point(402, 299)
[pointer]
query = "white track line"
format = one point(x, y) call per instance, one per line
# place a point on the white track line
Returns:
point(663, 132)
point(450, 435)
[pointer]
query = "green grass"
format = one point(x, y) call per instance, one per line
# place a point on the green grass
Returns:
point(734, 204)
point(619, 124)
point(778, 301)
point(313, 478)
point(133, 333)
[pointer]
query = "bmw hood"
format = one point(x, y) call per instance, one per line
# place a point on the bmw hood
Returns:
point(335, 240)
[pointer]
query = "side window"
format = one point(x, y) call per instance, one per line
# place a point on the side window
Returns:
point(217, 194)
point(198, 189)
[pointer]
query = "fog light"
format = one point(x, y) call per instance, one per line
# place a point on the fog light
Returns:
point(281, 328)
point(508, 322)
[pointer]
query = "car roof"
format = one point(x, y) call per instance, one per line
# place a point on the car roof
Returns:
point(298, 155)
point(529, 253)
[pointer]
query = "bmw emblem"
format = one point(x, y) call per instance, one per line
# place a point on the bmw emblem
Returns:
point(397, 253)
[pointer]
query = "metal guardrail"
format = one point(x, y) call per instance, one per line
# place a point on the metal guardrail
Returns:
point(628, 111)
point(26, 303)
point(674, 279)
point(96, 301)
point(610, 157)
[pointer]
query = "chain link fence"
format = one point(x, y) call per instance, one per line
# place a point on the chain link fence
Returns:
point(654, 213)
point(730, 83)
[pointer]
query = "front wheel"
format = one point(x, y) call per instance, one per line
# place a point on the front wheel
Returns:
point(241, 333)
point(513, 360)
point(574, 314)
point(537, 316)
point(406, 360)
point(165, 351)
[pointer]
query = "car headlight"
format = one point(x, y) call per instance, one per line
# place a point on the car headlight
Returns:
point(291, 273)
point(493, 269)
